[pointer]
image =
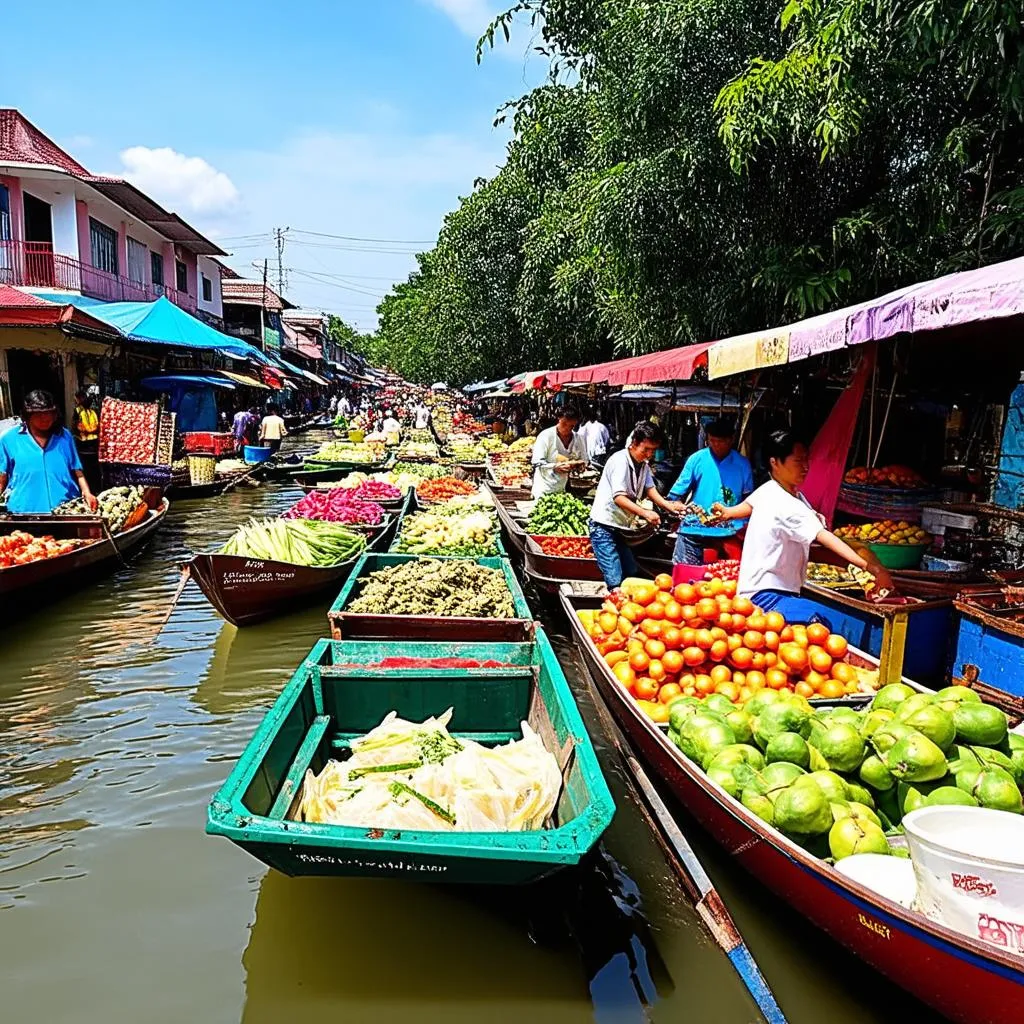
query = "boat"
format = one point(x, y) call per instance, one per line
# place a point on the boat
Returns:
point(249, 590)
point(66, 572)
point(340, 691)
point(961, 978)
point(312, 474)
point(510, 517)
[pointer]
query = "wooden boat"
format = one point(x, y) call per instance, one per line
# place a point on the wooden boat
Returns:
point(322, 473)
point(509, 517)
point(341, 691)
point(349, 625)
point(961, 978)
point(549, 572)
point(65, 572)
point(249, 590)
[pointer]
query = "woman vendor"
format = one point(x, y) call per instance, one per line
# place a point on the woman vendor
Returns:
point(782, 528)
point(39, 460)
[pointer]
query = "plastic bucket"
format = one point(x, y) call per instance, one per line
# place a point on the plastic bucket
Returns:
point(256, 453)
point(202, 469)
point(969, 864)
point(891, 877)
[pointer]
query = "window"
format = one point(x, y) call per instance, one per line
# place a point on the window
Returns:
point(207, 288)
point(103, 244)
point(5, 214)
point(181, 276)
point(137, 254)
point(156, 267)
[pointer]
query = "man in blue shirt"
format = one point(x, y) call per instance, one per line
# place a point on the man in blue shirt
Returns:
point(717, 473)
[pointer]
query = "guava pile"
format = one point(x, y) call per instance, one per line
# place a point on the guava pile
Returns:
point(837, 780)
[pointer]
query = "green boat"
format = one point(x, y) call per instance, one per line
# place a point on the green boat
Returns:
point(341, 691)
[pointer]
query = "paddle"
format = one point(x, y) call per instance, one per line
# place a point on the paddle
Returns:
point(695, 880)
point(110, 540)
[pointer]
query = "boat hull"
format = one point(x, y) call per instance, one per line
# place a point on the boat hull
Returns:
point(963, 979)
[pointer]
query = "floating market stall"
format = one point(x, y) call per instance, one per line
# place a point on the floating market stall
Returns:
point(488, 776)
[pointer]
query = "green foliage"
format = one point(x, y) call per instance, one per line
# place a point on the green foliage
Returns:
point(697, 168)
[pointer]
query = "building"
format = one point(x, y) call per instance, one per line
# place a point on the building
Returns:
point(65, 229)
point(252, 310)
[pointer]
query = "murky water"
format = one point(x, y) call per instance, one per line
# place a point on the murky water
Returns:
point(115, 730)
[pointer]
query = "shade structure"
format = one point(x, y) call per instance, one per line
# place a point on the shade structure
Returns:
point(299, 371)
point(20, 309)
point(184, 381)
point(670, 364)
point(242, 378)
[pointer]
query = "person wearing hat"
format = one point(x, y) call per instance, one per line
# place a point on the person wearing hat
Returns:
point(40, 462)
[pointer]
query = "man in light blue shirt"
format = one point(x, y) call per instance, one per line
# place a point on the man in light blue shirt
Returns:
point(716, 474)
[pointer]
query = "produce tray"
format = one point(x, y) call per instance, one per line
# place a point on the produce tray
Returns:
point(359, 626)
point(502, 551)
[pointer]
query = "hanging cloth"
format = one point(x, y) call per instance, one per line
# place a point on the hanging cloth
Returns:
point(831, 448)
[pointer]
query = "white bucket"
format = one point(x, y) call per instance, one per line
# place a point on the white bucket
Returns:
point(891, 877)
point(969, 863)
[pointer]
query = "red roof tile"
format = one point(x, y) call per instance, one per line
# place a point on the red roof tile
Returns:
point(252, 293)
point(22, 142)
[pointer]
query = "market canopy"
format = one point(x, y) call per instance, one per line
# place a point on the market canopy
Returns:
point(180, 381)
point(652, 367)
point(20, 309)
point(303, 373)
point(472, 389)
point(242, 378)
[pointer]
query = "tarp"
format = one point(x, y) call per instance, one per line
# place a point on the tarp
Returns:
point(179, 381)
point(472, 389)
point(20, 309)
point(669, 364)
point(241, 378)
point(303, 373)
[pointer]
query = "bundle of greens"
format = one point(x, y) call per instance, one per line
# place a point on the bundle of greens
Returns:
point(299, 541)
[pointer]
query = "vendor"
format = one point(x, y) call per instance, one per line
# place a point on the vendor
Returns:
point(717, 474)
point(272, 429)
point(782, 528)
point(626, 480)
point(557, 452)
point(40, 462)
point(86, 421)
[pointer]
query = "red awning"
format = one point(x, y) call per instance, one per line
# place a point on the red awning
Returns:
point(671, 364)
point(594, 373)
point(19, 309)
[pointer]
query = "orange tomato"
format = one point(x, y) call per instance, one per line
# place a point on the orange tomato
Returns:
point(757, 622)
point(689, 612)
point(786, 634)
point(739, 678)
point(656, 610)
point(684, 594)
point(844, 673)
point(735, 642)
point(654, 648)
point(820, 659)
point(724, 604)
point(739, 622)
point(716, 586)
point(774, 621)
point(639, 661)
point(753, 638)
point(669, 692)
point(742, 658)
point(687, 679)
point(632, 611)
point(625, 675)
point(793, 656)
point(693, 656)
point(771, 640)
point(758, 662)
point(804, 689)
point(718, 633)
point(771, 659)
point(673, 662)
point(656, 670)
point(651, 628)
point(704, 685)
point(724, 621)
point(755, 679)
point(719, 650)
point(729, 689)
point(776, 679)
point(644, 593)
point(730, 588)
point(817, 632)
point(672, 638)
point(645, 688)
point(688, 635)
point(721, 674)
point(663, 581)
point(837, 646)
point(673, 611)
point(816, 679)
point(831, 688)
point(704, 640)
point(743, 605)
point(707, 609)
point(704, 590)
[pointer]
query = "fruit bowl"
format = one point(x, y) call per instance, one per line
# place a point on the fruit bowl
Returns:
point(899, 556)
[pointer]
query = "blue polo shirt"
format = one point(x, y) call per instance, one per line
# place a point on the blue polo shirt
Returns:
point(39, 478)
point(728, 482)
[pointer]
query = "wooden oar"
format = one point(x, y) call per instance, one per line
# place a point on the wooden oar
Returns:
point(110, 540)
point(687, 866)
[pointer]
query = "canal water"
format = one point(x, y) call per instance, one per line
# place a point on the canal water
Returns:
point(117, 724)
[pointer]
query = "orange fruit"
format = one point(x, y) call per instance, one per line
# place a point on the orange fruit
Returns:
point(612, 658)
point(724, 604)
point(689, 612)
point(821, 660)
point(672, 638)
point(786, 634)
point(729, 689)
point(793, 656)
point(684, 594)
point(658, 712)
point(707, 608)
point(673, 611)
point(757, 622)
point(771, 640)
point(688, 636)
point(656, 610)
point(743, 605)
point(817, 632)
point(663, 581)
point(608, 621)
point(645, 688)
point(776, 679)
point(656, 670)
point(692, 656)
point(837, 646)
point(804, 689)
point(639, 661)
point(771, 659)
point(730, 587)
point(651, 628)
point(844, 673)
point(654, 648)
point(673, 662)
point(625, 675)
point(704, 590)
point(719, 650)
point(755, 679)
point(739, 678)
point(774, 621)
point(644, 593)
point(715, 586)
point(704, 640)
point(632, 611)
point(724, 621)
point(735, 642)
point(831, 688)
point(754, 639)
point(721, 673)
point(758, 662)
point(704, 685)
point(816, 679)
point(739, 622)
point(742, 658)
point(745, 694)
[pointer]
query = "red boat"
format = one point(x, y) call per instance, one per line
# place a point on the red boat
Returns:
point(960, 978)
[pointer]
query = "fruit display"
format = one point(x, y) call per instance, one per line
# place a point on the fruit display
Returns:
point(468, 533)
point(415, 450)
point(442, 488)
point(829, 575)
point(420, 470)
point(511, 467)
point(902, 477)
point(420, 435)
point(566, 547)
point(19, 548)
point(559, 514)
point(429, 586)
point(299, 541)
point(470, 453)
point(886, 531)
point(118, 505)
point(837, 780)
point(128, 431)
point(376, 490)
point(344, 451)
point(337, 506)
point(727, 569)
point(662, 642)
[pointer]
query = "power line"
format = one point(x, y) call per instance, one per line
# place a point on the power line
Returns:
point(354, 238)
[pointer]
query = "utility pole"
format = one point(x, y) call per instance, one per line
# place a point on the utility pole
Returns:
point(279, 236)
point(263, 310)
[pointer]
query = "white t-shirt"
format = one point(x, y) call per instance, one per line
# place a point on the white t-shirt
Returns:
point(422, 417)
point(391, 425)
point(596, 438)
point(272, 428)
point(621, 476)
point(546, 450)
point(778, 541)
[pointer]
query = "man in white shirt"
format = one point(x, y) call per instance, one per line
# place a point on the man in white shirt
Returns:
point(421, 416)
point(272, 429)
point(626, 481)
point(556, 453)
point(390, 425)
point(596, 437)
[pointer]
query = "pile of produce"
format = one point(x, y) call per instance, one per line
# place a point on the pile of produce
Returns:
point(422, 471)
point(566, 547)
point(225, 467)
point(116, 504)
point(299, 541)
point(406, 775)
point(19, 548)
point(826, 575)
point(376, 490)
point(492, 443)
point(428, 586)
point(443, 488)
point(511, 466)
point(835, 780)
point(442, 419)
point(337, 506)
point(128, 431)
point(885, 476)
point(417, 450)
point(465, 533)
point(726, 569)
point(343, 451)
point(420, 435)
point(470, 452)
point(886, 531)
point(559, 514)
point(662, 642)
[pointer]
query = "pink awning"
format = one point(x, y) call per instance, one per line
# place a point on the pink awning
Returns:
point(669, 364)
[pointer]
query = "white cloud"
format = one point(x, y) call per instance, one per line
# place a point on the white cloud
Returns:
point(184, 184)
point(471, 16)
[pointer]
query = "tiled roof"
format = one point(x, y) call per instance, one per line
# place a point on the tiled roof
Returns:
point(22, 142)
point(252, 293)
point(14, 299)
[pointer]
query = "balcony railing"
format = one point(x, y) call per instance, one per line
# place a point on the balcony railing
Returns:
point(36, 265)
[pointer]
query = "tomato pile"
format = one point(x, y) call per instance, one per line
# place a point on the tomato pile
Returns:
point(566, 547)
point(727, 569)
point(443, 488)
point(19, 547)
point(696, 639)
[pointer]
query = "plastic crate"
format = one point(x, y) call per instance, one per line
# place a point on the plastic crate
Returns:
point(206, 441)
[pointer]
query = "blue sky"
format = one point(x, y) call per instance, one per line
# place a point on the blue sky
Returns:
point(361, 119)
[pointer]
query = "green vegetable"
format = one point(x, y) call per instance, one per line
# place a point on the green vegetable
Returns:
point(559, 514)
point(299, 541)
point(463, 532)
